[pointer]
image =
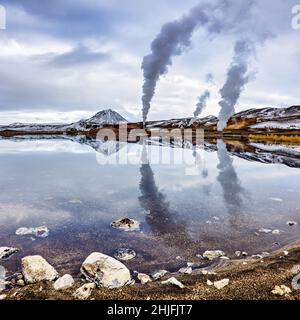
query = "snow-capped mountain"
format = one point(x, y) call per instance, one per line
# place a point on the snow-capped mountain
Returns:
point(104, 117)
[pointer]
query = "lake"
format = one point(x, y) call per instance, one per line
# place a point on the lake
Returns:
point(211, 200)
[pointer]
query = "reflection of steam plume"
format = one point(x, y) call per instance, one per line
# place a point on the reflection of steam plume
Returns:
point(160, 218)
point(201, 105)
point(237, 78)
point(232, 189)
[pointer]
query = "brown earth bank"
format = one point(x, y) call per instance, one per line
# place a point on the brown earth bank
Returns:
point(249, 279)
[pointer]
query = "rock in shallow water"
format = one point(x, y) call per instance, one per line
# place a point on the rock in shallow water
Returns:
point(84, 292)
point(40, 232)
point(105, 271)
point(6, 252)
point(126, 224)
point(124, 254)
point(36, 268)
point(211, 255)
point(64, 282)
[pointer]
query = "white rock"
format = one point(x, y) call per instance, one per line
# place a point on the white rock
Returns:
point(210, 255)
point(286, 253)
point(238, 253)
point(36, 268)
point(224, 258)
point(158, 274)
point(64, 282)
point(6, 252)
point(105, 271)
point(263, 230)
point(40, 232)
point(296, 269)
point(3, 296)
point(209, 283)
point(126, 224)
point(84, 292)
point(186, 270)
point(281, 290)
point(174, 282)
point(276, 231)
point(144, 278)
point(291, 223)
point(221, 283)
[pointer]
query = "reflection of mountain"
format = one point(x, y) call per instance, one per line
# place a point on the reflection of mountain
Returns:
point(228, 179)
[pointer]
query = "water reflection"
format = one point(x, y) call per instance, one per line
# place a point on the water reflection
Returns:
point(228, 179)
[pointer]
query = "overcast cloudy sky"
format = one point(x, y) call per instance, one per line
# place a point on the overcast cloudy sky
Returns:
point(62, 60)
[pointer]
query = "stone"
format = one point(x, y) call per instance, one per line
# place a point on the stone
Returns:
point(238, 253)
point(221, 283)
point(281, 290)
point(286, 253)
point(209, 283)
point(156, 275)
point(3, 296)
point(6, 252)
point(291, 223)
point(144, 278)
point(39, 232)
point(276, 231)
point(36, 268)
point(186, 270)
point(21, 283)
point(296, 269)
point(64, 282)
point(264, 230)
point(211, 255)
point(125, 224)
point(105, 271)
point(84, 292)
point(174, 282)
point(124, 254)
point(244, 254)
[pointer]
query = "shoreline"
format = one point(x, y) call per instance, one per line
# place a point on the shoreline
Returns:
point(251, 281)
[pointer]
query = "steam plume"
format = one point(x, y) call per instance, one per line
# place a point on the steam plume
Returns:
point(201, 105)
point(173, 38)
point(237, 78)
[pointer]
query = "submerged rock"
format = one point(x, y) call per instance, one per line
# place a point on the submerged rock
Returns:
point(6, 252)
point(211, 255)
point(174, 282)
point(264, 230)
point(105, 271)
point(124, 254)
point(84, 292)
point(156, 275)
point(36, 268)
point(144, 278)
point(281, 290)
point(238, 253)
point(221, 283)
point(126, 224)
point(291, 223)
point(40, 232)
point(64, 282)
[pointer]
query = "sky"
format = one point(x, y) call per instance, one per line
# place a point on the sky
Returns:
point(64, 60)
